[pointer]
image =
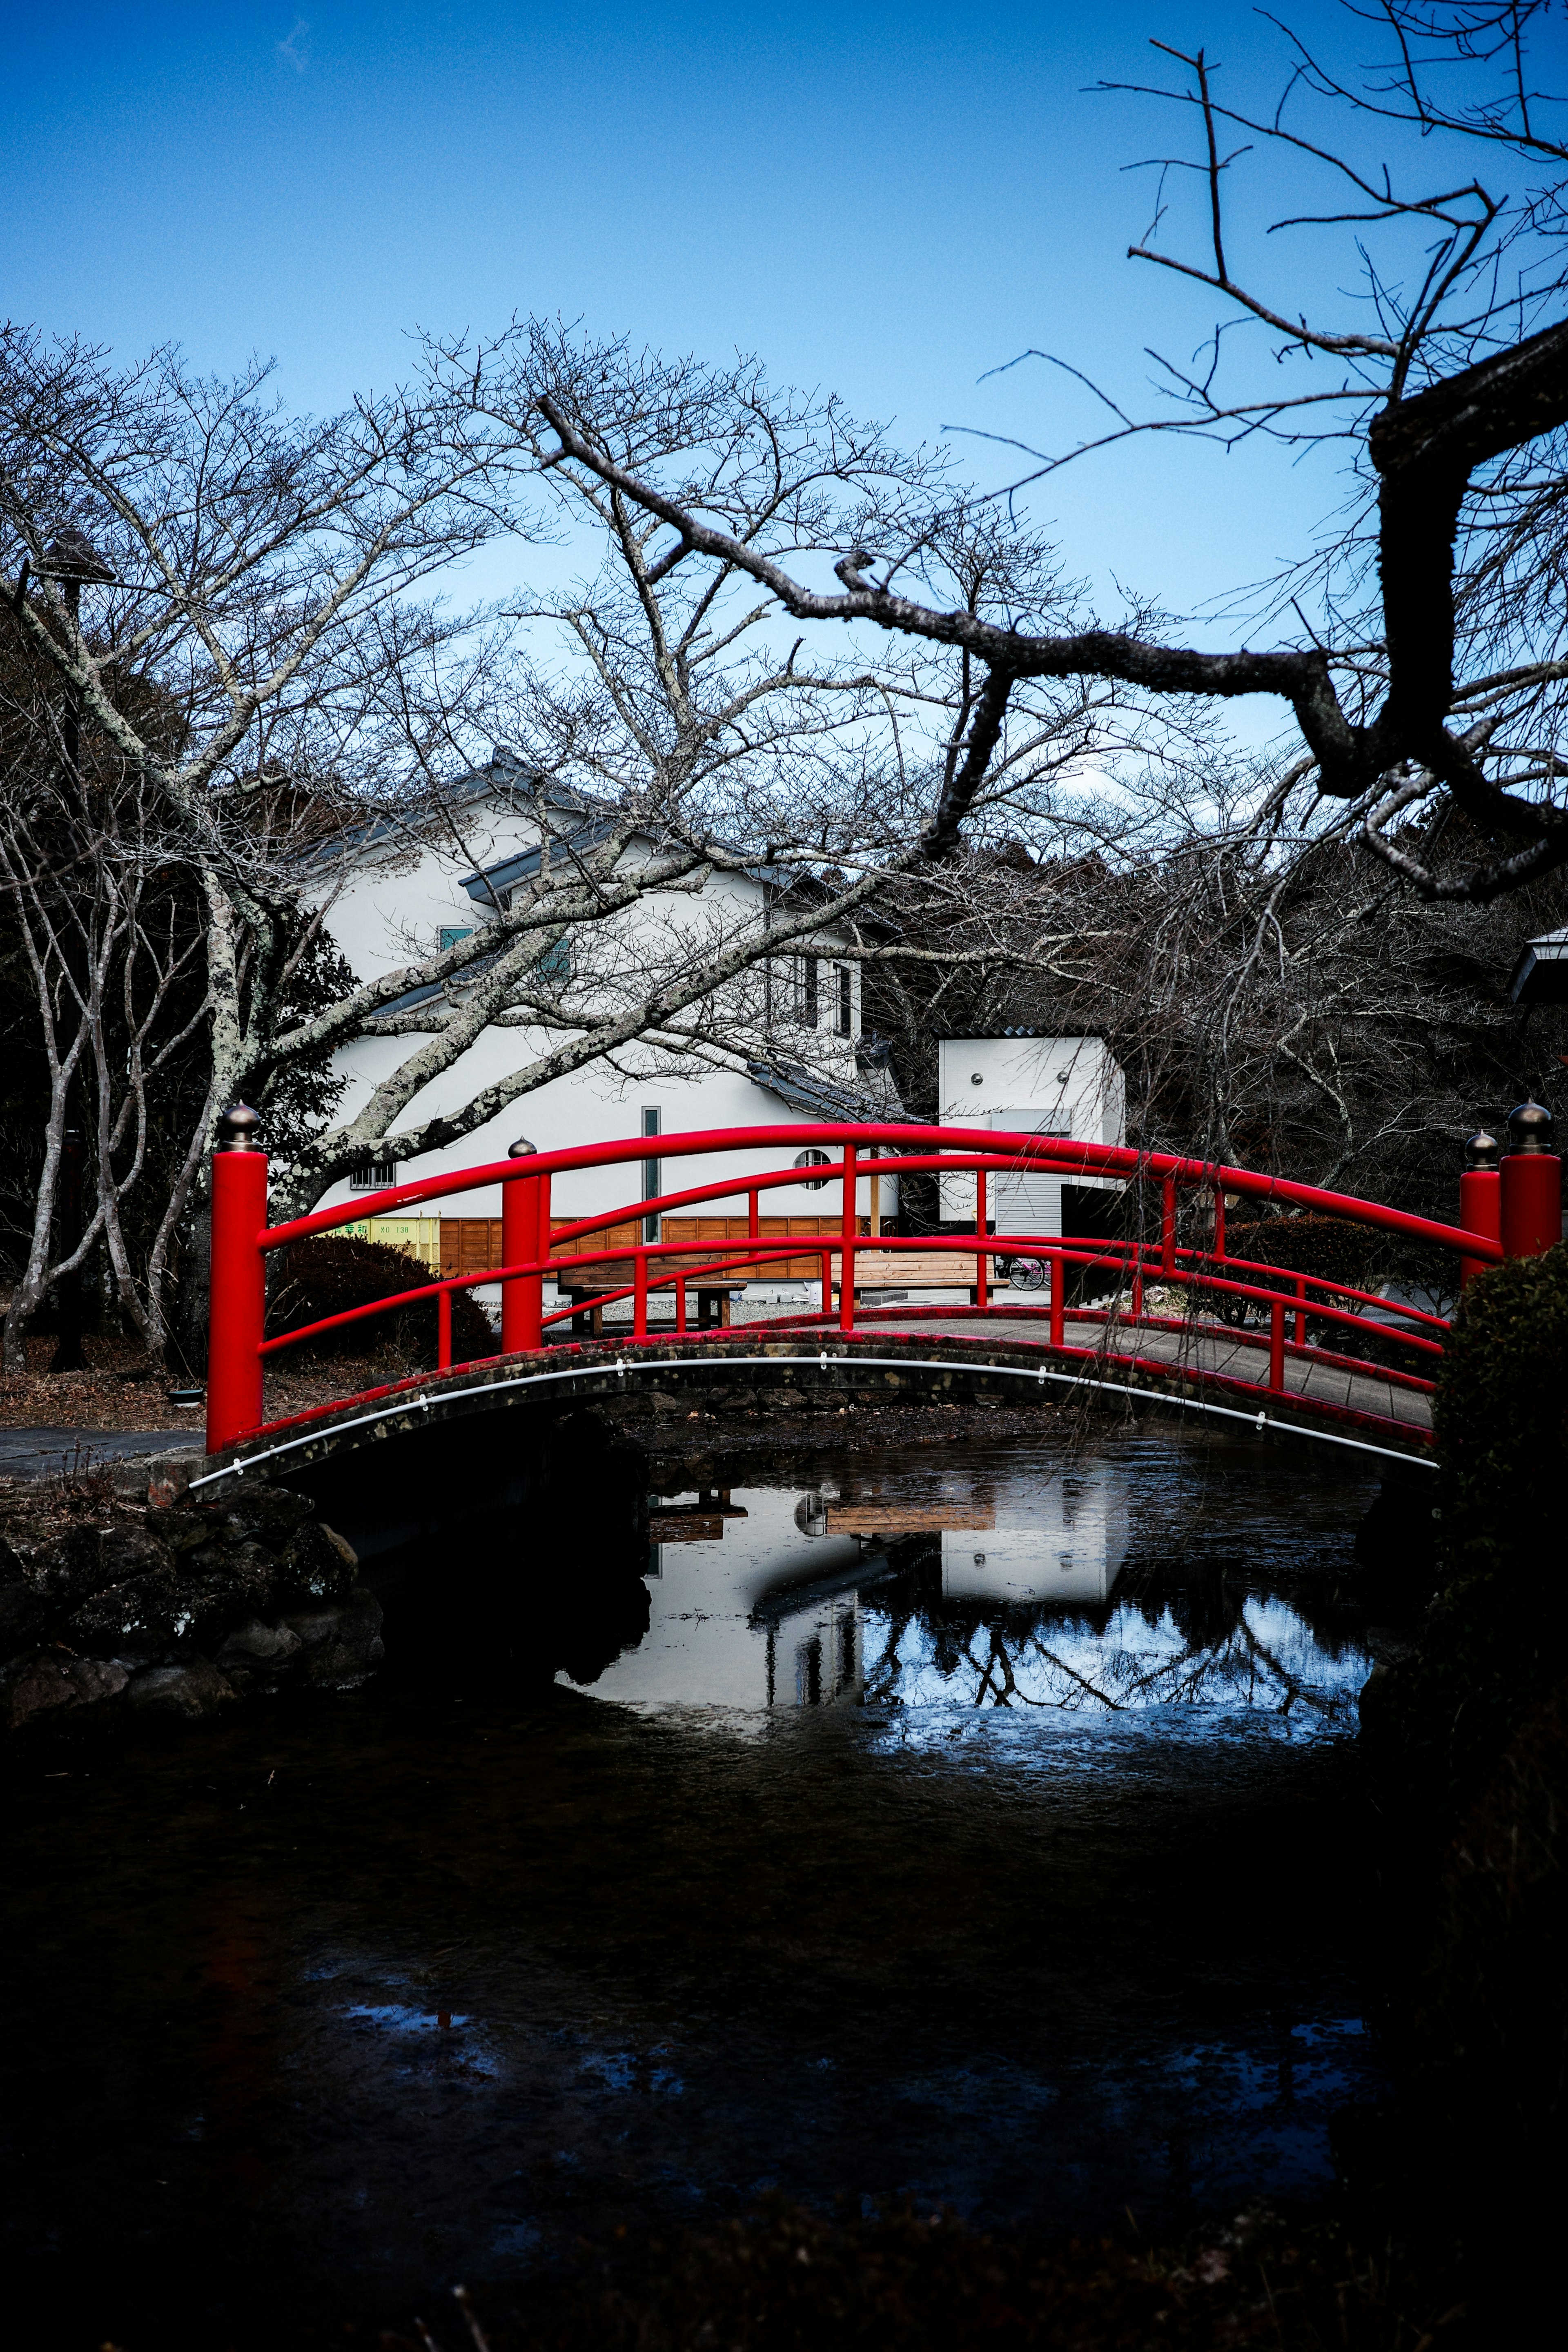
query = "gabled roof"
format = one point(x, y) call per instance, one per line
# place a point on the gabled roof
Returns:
point(504, 776)
point(487, 885)
point(819, 1098)
point(791, 884)
point(988, 1037)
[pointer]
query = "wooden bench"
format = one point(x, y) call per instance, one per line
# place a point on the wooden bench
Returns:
point(588, 1288)
point(705, 1238)
point(877, 1269)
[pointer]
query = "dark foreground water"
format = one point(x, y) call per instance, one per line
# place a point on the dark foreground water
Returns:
point(980, 1825)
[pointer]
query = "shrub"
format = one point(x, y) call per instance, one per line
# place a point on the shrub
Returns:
point(1500, 1424)
point(330, 1273)
point(1472, 1734)
point(1492, 1648)
point(1362, 1257)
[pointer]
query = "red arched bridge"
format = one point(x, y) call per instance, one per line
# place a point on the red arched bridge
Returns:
point(1184, 1321)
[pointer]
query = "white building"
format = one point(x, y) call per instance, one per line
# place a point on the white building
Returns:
point(1063, 1542)
point(1026, 1084)
point(751, 1608)
point(394, 900)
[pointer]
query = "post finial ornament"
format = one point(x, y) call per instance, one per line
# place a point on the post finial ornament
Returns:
point(73, 558)
point(522, 1148)
point(1482, 1150)
point(239, 1129)
point(1530, 1128)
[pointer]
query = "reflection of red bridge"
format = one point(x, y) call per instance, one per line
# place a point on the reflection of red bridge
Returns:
point(1163, 1316)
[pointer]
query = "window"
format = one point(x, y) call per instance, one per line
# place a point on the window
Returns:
point(809, 991)
point(553, 966)
point(650, 1168)
point(376, 1176)
point(811, 1159)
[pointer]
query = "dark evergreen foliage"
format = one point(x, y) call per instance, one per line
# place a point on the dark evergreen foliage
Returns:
point(334, 1273)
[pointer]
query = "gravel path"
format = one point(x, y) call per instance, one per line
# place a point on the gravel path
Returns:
point(45, 1453)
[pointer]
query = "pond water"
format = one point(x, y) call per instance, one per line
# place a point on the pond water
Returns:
point(980, 1824)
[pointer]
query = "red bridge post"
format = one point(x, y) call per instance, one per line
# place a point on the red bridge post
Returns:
point(521, 1300)
point(237, 1311)
point(1481, 1198)
point(848, 1221)
point(982, 1220)
point(535, 1287)
point(1532, 1184)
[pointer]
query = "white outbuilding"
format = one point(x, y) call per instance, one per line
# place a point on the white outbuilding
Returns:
point(1023, 1082)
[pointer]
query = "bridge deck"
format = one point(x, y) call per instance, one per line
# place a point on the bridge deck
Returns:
point(1207, 1350)
point(996, 1352)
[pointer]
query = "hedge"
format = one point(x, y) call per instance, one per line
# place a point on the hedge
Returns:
point(330, 1273)
point(1494, 1646)
point(1472, 1733)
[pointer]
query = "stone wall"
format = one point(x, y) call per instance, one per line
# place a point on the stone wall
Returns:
point(119, 1593)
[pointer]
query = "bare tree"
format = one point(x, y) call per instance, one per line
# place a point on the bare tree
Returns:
point(1435, 676)
point(669, 735)
point(263, 670)
point(114, 967)
point(256, 585)
point(1300, 1012)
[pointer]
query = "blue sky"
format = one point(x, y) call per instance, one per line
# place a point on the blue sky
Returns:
point(888, 200)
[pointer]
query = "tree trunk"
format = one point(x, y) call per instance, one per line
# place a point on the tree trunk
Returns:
point(193, 1289)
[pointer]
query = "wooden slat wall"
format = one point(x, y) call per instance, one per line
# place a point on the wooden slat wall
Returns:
point(770, 1229)
point(621, 1236)
point(472, 1244)
point(469, 1244)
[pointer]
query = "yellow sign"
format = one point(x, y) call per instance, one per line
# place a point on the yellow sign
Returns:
point(417, 1237)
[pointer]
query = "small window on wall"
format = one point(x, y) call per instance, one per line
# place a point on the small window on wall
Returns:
point(811, 1159)
point(376, 1176)
point(845, 1004)
point(556, 964)
point(652, 1121)
point(450, 933)
point(805, 1002)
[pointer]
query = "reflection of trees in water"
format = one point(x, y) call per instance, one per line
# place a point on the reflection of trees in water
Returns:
point(1163, 1641)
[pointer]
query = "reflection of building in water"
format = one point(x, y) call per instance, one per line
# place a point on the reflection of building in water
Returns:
point(755, 1604)
point(824, 1662)
point(1068, 1546)
point(779, 1598)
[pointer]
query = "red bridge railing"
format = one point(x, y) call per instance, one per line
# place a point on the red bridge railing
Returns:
point(1507, 1212)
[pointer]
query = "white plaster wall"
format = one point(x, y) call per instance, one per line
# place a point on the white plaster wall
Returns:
point(392, 907)
point(1051, 1085)
point(1065, 1541)
point(702, 1647)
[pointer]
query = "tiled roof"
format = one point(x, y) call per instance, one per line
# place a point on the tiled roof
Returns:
point(819, 1098)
